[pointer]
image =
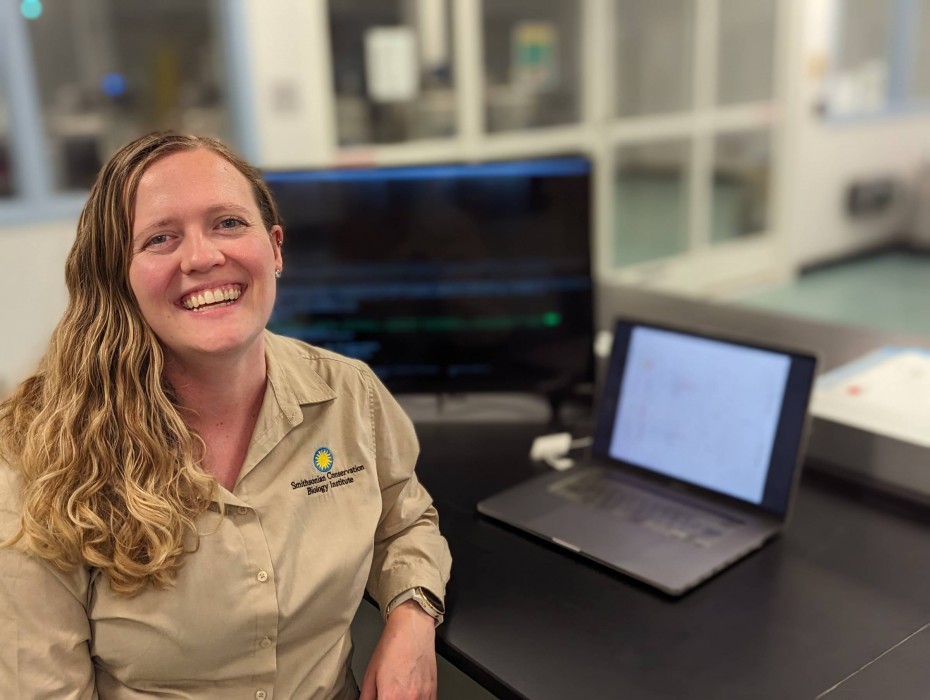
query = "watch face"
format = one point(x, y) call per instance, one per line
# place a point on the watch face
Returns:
point(432, 600)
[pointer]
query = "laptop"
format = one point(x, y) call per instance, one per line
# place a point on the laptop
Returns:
point(696, 454)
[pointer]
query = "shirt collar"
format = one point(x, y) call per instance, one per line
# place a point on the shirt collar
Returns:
point(294, 382)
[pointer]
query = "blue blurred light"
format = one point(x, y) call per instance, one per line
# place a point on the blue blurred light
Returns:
point(31, 9)
point(113, 85)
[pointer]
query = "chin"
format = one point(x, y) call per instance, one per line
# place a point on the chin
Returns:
point(218, 346)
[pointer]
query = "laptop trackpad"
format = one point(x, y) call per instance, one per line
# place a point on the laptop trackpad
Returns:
point(595, 534)
point(626, 504)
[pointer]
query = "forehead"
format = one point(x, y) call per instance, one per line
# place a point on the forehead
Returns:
point(190, 178)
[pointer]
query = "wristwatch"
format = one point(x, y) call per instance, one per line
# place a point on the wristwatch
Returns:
point(430, 603)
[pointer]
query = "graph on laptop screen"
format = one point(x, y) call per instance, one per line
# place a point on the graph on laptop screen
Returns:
point(700, 410)
point(443, 278)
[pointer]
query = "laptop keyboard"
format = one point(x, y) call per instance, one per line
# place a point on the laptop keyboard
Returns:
point(662, 515)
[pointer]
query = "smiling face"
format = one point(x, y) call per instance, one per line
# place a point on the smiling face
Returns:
point(203, 263)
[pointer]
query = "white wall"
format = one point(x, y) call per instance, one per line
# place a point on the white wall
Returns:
point(835, 156)
point(830, 154)
point(32, 286)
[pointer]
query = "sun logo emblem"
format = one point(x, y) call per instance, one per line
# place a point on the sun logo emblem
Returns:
point(323, 459)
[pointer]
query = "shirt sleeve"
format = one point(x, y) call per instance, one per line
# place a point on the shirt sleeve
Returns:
point(409, 551)
point(45, 653)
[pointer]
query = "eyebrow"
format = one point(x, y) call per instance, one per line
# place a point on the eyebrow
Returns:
point(211, 211)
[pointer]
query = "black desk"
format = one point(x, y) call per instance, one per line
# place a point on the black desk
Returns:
point(847, 582)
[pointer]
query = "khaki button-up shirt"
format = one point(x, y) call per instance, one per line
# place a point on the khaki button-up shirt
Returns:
point(327, 502)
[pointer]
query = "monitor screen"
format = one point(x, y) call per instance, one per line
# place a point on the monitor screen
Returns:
point(443, 278)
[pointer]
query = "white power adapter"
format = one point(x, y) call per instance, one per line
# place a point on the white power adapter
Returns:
point(553, 447)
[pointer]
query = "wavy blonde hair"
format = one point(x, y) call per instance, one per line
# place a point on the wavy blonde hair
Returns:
point(110, 471)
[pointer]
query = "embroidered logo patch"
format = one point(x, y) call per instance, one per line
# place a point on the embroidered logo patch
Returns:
point(327, 479)
point(323, 459)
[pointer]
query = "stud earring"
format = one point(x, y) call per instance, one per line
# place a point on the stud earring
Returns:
point(277, 274)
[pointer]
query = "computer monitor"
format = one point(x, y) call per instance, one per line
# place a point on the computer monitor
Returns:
point(443, 278)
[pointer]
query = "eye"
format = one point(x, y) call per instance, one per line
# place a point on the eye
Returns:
point(231, 222)
point(156, 240)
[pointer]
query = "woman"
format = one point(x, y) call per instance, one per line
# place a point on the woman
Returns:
point(193, 506)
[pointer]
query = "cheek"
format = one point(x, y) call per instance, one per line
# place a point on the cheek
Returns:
point(137, 278)
point(262, 259)
point(146, 281)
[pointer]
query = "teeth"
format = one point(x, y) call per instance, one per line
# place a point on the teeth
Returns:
point(210, 296)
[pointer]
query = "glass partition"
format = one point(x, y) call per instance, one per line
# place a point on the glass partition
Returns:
point(651, 201)
point(746, 51)
point(918, 88)
point(861, 76)
point(393, 66)
point(532, 63)
point(742, 169)
point(110, 71)
point(654, 56)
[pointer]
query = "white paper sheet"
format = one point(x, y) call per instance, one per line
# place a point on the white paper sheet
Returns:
point(887, 392)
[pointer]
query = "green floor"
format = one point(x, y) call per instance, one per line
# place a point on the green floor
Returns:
point(889, 291)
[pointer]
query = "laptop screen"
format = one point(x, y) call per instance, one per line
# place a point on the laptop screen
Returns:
point(725, 416)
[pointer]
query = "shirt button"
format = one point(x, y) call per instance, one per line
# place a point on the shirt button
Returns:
point(262, 576)
point(242, 510)
point(266, 642)
point(261, 695)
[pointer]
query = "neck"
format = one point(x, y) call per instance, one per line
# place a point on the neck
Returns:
point(215, 388)
point(220, 398)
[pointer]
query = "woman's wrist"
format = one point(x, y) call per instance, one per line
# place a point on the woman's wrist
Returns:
point(410, 612)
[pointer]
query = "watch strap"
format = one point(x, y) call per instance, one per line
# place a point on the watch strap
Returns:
point(426, 599)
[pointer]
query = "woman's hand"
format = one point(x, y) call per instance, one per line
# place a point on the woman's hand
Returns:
point(403, 665)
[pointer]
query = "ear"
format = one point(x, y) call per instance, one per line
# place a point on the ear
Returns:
point(277, 241)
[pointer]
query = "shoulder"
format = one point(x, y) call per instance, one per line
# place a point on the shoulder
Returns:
point(296, 357)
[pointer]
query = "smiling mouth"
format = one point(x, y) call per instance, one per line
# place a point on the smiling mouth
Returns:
point(211, 298)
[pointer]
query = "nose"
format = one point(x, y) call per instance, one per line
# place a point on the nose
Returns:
point(199, 253)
